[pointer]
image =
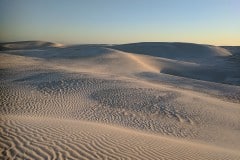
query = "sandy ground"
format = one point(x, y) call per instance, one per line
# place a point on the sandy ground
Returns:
point(134, 101)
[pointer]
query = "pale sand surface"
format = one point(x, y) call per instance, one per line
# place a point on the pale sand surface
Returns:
point(47, 138)
point(97, 102)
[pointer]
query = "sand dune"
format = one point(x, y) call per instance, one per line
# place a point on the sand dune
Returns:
point(177, 51)
point(208, 63)
point(28, 45)
point(96, 102)
point(235, 50)
point(201, 62)
point(44, 138)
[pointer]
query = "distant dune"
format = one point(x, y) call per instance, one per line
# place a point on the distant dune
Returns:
point(202, 62)
point(196, 61)
point(27, 45)
point(132, 101)
point(235, 50)
point(177, 51)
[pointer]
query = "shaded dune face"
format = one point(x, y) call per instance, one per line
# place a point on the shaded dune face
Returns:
point(98, 102)
point(221, 91)
point(177, 51)
point(209, 63)
point(57, 53)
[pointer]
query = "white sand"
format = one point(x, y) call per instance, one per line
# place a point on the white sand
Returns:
point(93, 102)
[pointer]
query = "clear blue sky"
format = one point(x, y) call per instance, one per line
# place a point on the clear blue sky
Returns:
point(121, 21)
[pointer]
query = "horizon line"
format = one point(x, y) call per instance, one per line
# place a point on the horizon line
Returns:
point(134, 42)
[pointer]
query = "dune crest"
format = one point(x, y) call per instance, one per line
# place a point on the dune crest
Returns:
point(28, 45)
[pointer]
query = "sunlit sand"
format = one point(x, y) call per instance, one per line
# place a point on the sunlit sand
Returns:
point(133, 101)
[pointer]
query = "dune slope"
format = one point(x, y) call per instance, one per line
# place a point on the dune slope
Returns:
point(95, 102)
point(196, 61)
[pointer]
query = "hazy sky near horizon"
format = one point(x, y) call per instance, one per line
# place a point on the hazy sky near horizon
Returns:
point(121, 21)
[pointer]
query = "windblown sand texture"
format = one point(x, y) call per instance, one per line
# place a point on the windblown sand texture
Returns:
point(132, 101)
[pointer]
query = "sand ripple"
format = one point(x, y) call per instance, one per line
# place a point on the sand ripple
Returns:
point(44, 138)
point(61, 103)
